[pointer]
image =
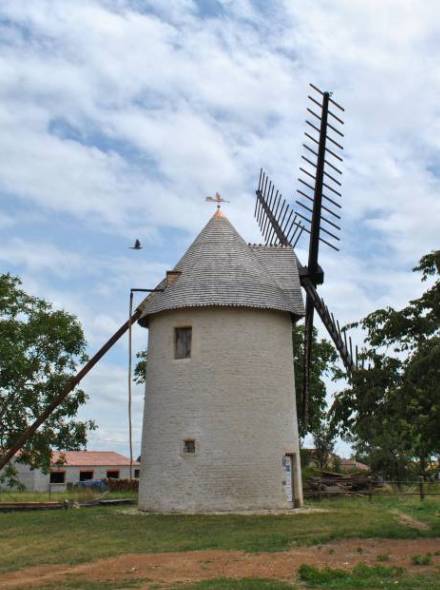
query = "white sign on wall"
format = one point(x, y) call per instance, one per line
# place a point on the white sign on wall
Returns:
point(287, 477)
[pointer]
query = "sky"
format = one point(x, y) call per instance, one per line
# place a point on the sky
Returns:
point(118, 118)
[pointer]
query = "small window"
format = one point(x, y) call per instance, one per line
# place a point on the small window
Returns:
point(112, 474)
point(189, 446)
point(182, 343)
point(85, 475)
point(57, 477)
point(137, 473)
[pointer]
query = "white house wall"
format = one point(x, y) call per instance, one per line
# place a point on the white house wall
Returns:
point(36, 481)
point(73, 473)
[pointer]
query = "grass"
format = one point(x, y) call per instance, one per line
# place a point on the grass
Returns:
point(74, 536)
point(363, 576)
point(243, 584)
point(218, 584)
point(422, 559)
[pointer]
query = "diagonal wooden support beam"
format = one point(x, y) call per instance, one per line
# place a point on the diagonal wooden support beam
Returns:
point(69, 387)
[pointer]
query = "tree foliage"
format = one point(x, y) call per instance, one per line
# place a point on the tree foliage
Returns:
point(39, 350)
point(392, 409)
point(140, 370)
point(324, 439)
point(324, 358)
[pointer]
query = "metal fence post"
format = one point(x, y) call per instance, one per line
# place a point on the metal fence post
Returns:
point(421, 488)
point(370, 489)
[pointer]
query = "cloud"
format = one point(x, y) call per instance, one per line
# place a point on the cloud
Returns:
point(119, 116)
point(108, 406)
point(6, 220)
point(46, 258)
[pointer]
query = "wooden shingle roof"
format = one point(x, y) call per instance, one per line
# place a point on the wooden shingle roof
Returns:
point(220, 269)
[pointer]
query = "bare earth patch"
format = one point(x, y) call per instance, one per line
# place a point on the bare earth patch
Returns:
point(192, 566)
point(411, 522)
point(133, 510)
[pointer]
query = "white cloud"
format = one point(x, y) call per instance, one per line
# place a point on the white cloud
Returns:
point(119, 117)
point(45, 258)
point(6, 220)
point(107, 386)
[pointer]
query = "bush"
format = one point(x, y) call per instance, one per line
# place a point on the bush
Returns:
point(422, 559)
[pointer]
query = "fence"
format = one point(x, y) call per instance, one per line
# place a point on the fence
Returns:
point(319, 488)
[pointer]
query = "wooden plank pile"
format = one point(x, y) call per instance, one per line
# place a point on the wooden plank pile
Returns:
point(329, 483)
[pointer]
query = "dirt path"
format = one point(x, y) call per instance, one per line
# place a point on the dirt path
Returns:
point(411, 522)
point(170, 568)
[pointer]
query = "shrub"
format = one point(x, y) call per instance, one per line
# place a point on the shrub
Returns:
point(308, 573)
point(422, 559)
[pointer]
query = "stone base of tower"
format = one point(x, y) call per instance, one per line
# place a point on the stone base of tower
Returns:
point(236, 488)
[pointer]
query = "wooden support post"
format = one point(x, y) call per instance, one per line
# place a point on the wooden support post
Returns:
point(370, 488)
point(319, 489)
point(130, 341)
point(421, 488)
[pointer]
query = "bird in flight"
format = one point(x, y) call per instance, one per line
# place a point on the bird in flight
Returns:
point(137, 245)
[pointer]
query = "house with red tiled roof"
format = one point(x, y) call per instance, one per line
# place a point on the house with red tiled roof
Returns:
point(72, 467)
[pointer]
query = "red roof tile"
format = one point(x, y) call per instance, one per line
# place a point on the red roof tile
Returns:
point(91, 458)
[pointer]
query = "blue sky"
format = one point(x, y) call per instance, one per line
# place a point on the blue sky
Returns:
point(118, 117)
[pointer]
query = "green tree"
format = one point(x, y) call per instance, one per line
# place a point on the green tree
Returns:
point(39, 350)
point(391, 411)
point(324, 443)
point(140, 370)
point(323, 365)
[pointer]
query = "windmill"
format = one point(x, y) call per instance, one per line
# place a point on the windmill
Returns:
point(319, 216)
point(280, 224)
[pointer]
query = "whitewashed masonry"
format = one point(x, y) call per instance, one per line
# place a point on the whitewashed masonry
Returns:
point(220, 427)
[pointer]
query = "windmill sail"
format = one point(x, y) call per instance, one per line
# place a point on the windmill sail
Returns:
point(275, 231)
point(277, 225)
point(319, 216)
point(320, 178)
point(319, 159)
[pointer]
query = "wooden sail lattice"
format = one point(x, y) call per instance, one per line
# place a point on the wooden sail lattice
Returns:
point(320, 216)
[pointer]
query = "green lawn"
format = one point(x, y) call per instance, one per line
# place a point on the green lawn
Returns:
point(86, 534)
point(361, 577)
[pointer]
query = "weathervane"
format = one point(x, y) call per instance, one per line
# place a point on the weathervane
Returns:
point(217, 199)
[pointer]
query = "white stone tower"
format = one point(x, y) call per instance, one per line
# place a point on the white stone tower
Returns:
point(220, 428)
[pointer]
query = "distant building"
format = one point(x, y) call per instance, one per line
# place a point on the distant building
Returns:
point(70, 467)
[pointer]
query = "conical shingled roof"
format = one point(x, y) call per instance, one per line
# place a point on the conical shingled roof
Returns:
point(221, 269)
